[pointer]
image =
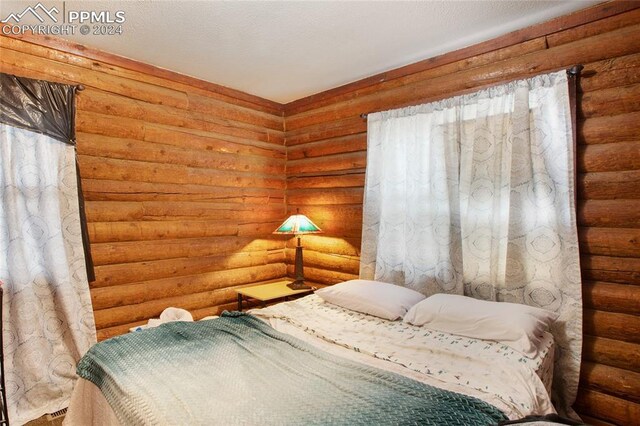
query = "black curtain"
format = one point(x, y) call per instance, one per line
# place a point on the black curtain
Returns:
point(47, 108)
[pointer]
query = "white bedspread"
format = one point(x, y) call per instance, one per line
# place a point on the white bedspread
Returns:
point(490, 371)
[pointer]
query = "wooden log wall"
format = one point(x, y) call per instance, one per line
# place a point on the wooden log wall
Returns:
point(326, 147)
point(184, 182)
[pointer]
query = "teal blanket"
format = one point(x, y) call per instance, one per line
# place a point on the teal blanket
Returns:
point(238, 370)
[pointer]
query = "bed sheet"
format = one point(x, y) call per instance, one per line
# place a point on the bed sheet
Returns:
point(491, 371)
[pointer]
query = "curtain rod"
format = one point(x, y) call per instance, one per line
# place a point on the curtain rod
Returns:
point(573, 71)
point(79, 88)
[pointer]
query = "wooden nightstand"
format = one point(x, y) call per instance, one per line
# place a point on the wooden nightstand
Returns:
point(269, 292)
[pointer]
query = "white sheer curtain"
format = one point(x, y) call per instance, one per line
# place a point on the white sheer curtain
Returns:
point(475, 195)
point(48, 323)
point(411, 232)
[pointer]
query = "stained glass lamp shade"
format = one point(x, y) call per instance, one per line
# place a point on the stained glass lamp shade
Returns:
point(298, 224)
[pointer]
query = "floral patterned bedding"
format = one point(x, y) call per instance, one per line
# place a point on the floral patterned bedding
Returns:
point(489, 370)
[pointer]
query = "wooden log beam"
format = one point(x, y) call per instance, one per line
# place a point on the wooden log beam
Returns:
point(348, 214)
point(140, 171)
point(611, 101)
point(140, 251)
point(607, 407)
point(103, 124)
point(609, 157)
point(615, 353)
point(114, 211)
point(595, 26)
point(347, 179)
point(328, 244)
point(625, 270)
point(130, 149)
point(115, 190)
point(198, 314)
point(210, 142)
point(349, 126)
point(325, 196)
point(210, 107)
point(102, 102)
point(322, 276)
point(612, 297)
point(125, 273)
point(608, 129)
point(340, 229)
point(28, 73)
point(153, 308)
point(606, 185)
point(354, 160)
point(104, 232)
point(609, 213)
point(326, 261)
point(611, 72)
point(341, 145)
point(108, 333)
point(624, 242)
point(139, 301)
point(612, 325)
point(611, 380)
point(623, 277)
point(342, 221)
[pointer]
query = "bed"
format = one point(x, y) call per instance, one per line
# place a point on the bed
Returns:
point(474, 377)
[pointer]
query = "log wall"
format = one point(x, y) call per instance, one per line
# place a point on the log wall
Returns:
point(326, 146)
point(184, 182)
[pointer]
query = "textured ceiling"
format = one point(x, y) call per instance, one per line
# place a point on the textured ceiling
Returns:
point(287, 50)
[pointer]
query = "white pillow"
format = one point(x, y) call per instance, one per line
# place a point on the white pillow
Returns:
point(516, 325)
point(388, 301)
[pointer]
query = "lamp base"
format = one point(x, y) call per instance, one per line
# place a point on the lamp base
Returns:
point(298, 285)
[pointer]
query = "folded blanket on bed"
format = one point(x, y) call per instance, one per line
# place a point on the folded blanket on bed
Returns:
point(238, 370)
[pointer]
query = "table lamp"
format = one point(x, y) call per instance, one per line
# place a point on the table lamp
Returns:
point(298, 224)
